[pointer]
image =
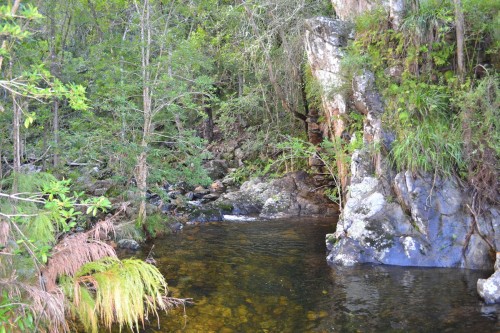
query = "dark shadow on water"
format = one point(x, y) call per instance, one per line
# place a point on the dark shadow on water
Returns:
point(272, 276)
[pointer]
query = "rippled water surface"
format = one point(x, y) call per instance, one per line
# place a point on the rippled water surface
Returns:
point(272, 276)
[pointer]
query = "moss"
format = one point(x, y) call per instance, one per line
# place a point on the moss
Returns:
point(331, 239)
point(225, 207)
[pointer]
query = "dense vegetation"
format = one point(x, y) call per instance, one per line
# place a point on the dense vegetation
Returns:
point(445, 115)
point(132, 92)
point(142, 93)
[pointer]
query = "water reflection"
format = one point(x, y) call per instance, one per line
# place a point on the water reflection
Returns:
point(272, 276)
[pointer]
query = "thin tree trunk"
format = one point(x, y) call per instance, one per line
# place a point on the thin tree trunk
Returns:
point(1, 164)
point(55, 111)
point(460, 30)
point(16, 139)
point(208, 125)
point(141, 169)
point(54, 72)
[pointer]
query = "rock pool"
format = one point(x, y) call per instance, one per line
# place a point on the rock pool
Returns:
point(272, 276)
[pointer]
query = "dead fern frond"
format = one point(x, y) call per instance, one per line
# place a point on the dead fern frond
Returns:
point(49, 308)
point(102, 229)
point(106, 227)
point(76, 250)
point(70, 254)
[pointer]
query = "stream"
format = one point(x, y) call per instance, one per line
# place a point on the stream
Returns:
point(272, 276)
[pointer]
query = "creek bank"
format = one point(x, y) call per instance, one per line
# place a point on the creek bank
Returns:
point(295, 194)
point(174, 206)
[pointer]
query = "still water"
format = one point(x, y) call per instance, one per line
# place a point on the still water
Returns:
point(272, 276)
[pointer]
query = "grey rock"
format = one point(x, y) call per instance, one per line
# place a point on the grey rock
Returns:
point(174, 194)
point(325, 40)
point(210, 197)
point(200, 191)
point(216, 169)
point(489, 289)
point(348, 10)
point(206, 214)
point(177, 226)
point(424, 225)
point(296, 194)
point(128, 244)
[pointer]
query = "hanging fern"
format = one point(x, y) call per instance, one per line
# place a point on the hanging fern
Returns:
point(110, 291)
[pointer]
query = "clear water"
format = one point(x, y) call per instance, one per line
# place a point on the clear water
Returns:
point(272, 276)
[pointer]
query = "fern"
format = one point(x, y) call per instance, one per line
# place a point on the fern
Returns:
point(40, 227)
point(111, 291)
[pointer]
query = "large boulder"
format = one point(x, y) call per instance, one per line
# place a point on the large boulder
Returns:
point(295, 194)
point(422, 221)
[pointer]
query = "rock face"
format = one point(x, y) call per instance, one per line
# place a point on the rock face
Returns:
point(408, 219)
point(426, 223)
point(295, 194)
point(404, 219)
point(325, 40)
point(347, 10)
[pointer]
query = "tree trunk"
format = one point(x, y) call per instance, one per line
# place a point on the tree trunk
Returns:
point(1, 164)
point(141, 170)
point(460, 30)
point(54, 72)
point(55, 111)
point(16, 139)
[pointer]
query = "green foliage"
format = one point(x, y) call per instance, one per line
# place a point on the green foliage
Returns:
point(333, 194)
point(13, 316)
point(434, 145)
point(480, 119)
point(157, 225)
point(111, 291)
point(313, 89)
point(420, 103)
point(107, 291)
point(415, 101)
point(295, 154)
point(50, 211)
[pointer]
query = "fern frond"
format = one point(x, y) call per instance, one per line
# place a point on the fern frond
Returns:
point(40, 228)
point(71, 253)
point(125, 292)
